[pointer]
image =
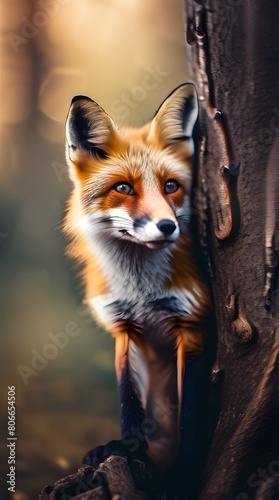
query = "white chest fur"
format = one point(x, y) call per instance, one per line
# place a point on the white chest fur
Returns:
point(137, 286)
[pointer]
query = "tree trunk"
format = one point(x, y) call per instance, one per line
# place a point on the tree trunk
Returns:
point(235, 59)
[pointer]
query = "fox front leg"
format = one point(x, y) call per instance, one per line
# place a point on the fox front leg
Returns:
point(190, 342)
point(152, 377)
point(133, 443)
point(149, 405)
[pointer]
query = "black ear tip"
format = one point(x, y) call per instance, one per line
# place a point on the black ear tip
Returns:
point(79, 97)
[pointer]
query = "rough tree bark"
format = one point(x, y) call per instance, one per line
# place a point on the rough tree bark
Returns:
point(235, 59)
point(234, 46)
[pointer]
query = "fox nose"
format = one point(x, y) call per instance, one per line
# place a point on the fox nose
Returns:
point(166, 226)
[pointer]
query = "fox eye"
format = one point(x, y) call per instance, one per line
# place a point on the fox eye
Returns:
point(171, 186)
point(124, 188)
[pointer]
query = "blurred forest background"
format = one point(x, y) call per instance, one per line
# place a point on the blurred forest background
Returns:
point(127, 55)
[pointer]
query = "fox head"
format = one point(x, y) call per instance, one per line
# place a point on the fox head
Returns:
point(132, 184)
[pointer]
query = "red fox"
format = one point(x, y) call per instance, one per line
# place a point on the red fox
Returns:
point(128, 221)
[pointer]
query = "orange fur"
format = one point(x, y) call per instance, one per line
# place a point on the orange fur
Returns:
point(135, 245)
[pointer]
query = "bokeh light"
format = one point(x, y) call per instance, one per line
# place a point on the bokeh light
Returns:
point(51, 50)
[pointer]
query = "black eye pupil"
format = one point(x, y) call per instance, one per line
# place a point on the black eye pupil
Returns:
point(123, 188)
point(171, 187)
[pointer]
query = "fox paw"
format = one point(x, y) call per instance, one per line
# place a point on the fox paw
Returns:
point(140, 468)
point(101, 453)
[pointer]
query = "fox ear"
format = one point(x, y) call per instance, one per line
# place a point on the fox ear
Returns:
point(176, 118)
point(89, 131)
